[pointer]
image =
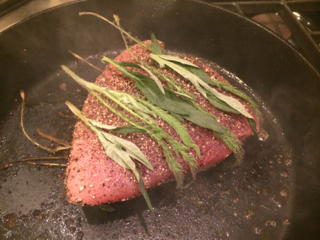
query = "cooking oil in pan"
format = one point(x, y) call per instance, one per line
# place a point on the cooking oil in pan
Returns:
point(247, 201)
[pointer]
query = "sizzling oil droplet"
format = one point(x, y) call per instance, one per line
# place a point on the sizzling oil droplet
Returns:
point(277, 203)
point(270, 223)
point(284, 173)
point(288, 162)
point(263, 135)
point(250, 215)
point(258, 230)
point(284, 193)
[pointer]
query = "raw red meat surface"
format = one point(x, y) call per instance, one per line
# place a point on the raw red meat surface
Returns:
point(93, 178)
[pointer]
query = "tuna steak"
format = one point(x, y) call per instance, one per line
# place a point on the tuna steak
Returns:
point(93, 178)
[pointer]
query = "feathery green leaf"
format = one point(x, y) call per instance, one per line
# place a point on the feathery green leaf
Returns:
point(176, 125)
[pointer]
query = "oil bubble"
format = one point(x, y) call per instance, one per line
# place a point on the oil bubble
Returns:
point(284, 193)
point(288, 162)
point(263, 135)
point(258, 230)
point(284, 173)
point(270, 223)
point(249, 215)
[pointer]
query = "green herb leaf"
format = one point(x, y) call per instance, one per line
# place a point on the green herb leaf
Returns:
point(216, 102)
point(155, 46)
point(201, 74)
point(124, 160)
point(253, 126)
point(177, 116)
point(129, 129)
point(174, 104)
point(143, 189)
point(232, 102)
point(172, 58)
point(225, 86)
point(201, 85)
point(173, 85)
point(118, 129)
point(113, 151)
point(127, 64)
point(182, 71)
point(130, 148)
point(155, 78)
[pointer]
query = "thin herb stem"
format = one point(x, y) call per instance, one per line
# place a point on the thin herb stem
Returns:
point(82, 59)
point(6, 165)
point(48, 164)
point(53, 139)
point(171, 83)
point(114, 25)
point(25, 133)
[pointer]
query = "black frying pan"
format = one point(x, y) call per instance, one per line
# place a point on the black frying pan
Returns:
point(273, 194)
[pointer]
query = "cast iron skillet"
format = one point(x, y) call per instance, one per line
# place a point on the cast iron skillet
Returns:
point(274, 194)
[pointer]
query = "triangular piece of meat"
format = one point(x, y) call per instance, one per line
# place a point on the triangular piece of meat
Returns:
point(93, 178)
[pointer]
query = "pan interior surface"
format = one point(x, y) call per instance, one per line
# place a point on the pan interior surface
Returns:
point(258, 199)
point(251, 199)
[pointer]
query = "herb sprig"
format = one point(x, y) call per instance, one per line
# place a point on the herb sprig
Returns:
point(173, 104)
point(181, 66)
point(118, 149)
point(65, 147)
point(146, 124)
